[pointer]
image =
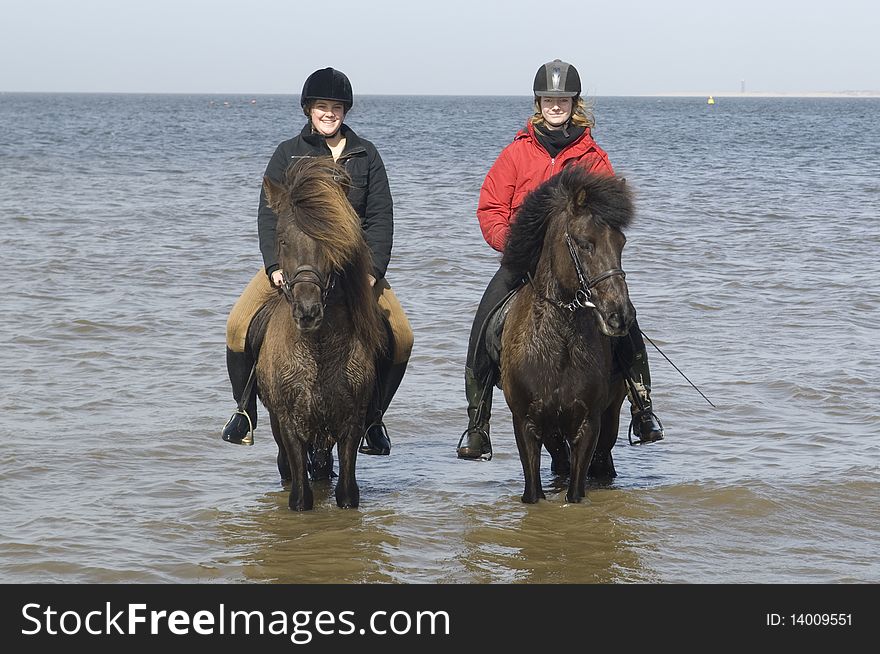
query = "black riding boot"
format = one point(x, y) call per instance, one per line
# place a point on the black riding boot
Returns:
point(239, 429)
point(475, 442)
point(645, 426)
point(480, 374)
point(376, 439)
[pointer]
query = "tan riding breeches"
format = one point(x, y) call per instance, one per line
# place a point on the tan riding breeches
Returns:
point(396, 318)
point(259, 290)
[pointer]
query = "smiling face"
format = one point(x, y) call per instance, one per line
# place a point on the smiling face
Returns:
point(327, 116)
point(556, 111)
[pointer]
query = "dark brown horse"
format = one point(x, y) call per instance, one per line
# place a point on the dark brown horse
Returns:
point(319, 340)
point(557, 363)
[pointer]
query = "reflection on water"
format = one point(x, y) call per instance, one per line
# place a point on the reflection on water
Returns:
point(327, 545)
point(553, 542)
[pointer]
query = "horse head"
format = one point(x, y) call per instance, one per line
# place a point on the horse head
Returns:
point(318, 235)
point(586, 255)
point(568, 235)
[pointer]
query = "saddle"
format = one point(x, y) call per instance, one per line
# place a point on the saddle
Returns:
point(488, 355)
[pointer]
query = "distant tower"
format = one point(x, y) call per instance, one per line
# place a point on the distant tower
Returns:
point(742, 86)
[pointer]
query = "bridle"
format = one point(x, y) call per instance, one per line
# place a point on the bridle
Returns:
point(583, 296)
point(308, 275)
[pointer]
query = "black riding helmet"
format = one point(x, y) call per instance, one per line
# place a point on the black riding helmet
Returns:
point(327, 84)
point(557, 79)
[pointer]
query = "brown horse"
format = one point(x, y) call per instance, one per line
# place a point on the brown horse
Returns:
point(320, 339)
point(557, 363)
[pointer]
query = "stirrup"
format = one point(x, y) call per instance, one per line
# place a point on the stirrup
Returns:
point(637, 417)
point(248, 438)
point(365, 446)
point(485, 443)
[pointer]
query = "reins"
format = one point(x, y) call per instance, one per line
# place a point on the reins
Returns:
point(583, 300)
point(676, 368)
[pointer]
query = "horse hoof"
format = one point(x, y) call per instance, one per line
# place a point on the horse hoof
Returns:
point(347, 502)
point(530, 498)
point(301, 503)
point(299, 507)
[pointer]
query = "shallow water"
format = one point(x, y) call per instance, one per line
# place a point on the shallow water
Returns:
point(129, 230)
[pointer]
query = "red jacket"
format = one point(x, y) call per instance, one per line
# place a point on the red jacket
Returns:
point(521, 167)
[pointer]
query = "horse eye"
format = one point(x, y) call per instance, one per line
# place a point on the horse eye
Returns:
point(282, 242)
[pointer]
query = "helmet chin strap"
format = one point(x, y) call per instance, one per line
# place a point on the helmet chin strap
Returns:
point(315, 131)
point(563, 128)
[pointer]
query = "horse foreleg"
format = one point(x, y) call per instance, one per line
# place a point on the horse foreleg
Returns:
point(582, 446)
point(301, 498)
point(348, 495)
point(281, 460)
point(529, 446)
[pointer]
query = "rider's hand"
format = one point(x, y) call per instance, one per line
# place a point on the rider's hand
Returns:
point(372, 280)
point(277, 277)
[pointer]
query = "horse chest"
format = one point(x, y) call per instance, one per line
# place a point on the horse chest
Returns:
point(557, 368)
point(316, 379)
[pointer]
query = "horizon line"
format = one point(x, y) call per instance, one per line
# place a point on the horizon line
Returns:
point(664, 94)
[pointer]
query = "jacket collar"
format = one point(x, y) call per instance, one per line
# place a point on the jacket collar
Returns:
point(352, 143)
point(585, 140)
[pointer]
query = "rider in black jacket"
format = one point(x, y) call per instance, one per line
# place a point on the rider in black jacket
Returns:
point(326, 99)
point(368, 194)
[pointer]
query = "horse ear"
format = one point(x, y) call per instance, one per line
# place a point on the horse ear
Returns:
point(273, 191)
point(580, 200)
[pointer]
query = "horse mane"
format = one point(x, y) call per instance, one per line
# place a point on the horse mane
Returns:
point(319, 208)
point(313, 199)
point(604, 199)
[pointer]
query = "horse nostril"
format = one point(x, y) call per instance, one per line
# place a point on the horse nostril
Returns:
point(313, 311)
point(307, 313)
point(615, 320)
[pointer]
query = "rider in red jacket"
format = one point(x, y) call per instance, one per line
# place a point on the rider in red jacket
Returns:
point(522, 166)
point(557, 135)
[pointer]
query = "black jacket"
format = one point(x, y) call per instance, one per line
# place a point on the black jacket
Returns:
point(369, 195)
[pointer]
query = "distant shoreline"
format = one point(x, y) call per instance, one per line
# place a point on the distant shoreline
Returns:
point(764, 94)
point(668, 94)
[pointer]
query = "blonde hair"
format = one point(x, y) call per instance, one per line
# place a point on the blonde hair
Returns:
point(581, 113)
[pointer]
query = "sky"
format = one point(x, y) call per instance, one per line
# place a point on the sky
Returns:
point(444, 47)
